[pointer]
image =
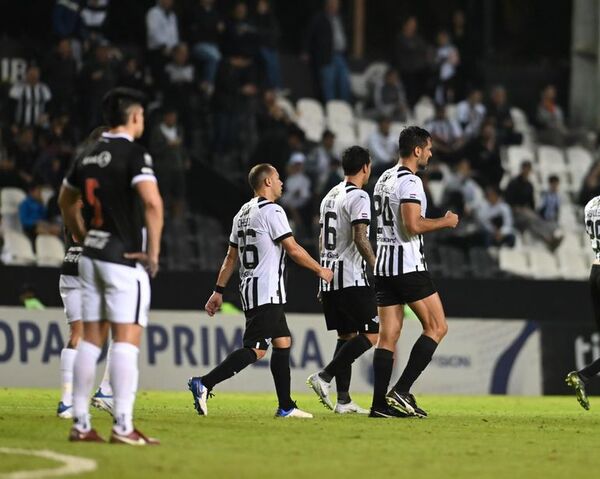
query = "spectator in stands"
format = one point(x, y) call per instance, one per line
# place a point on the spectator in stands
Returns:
point(470, 113)
point(446, 134)
point(499, 110)
point(66, 19)
point(462, 194)
point(162, 35)
point(30, 99)
point(383, 146)
point(34, 215)
point(25, 153)
point(205, 29)
point(93, 20)
point(550, 202)
point(181, 87)
point(519, 195)
point(57, 147)
point(335, 174)
point(552, 129)
point(170, 161)
point(132, 74)
point(60, 71)
point(97, 76)
point(325, 46)
point(591, 185)
point(9, 176)
point(447, 60)
point(484, 154)
point(462, 38)
point(413, 59)
point(496, 219)
point(241, 36)
point(390, 98)
point(296, 197)
point(268, 38)
point(319, 160)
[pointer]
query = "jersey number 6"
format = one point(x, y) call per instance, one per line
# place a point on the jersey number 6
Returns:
point(249, 251)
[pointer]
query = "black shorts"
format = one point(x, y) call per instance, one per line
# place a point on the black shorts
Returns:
point(595, 292)
point(351, 310)
point(403, 289)
point(263, 324)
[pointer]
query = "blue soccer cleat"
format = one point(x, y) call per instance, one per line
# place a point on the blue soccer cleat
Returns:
point(103, 401)
point(293, 412)
point(63, 411)
point(200, 393)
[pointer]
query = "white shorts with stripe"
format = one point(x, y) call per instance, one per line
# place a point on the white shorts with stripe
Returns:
point(70, 292)
point(116, 292)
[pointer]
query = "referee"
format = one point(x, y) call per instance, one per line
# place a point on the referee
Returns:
point(401, 275)
point(260, 238)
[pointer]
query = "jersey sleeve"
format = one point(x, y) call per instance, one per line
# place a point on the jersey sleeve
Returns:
point(71, 179)
point(277, 223)
point(411, 190)
point(359, 207)
point(140, 167)
point(233, 237)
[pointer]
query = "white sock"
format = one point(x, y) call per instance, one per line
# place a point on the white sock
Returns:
point(84, 374)
point(123, 376)
point(67, 360)
point(105, 384)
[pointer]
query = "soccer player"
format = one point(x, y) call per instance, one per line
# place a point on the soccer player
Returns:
point(578, 379)
point(401, 275)
point(261, 237)
point(121, 222)
point(348, 301)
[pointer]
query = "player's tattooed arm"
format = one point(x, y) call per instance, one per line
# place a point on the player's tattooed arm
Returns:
point(361, 240)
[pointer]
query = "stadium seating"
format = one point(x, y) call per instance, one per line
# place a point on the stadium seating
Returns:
point(10, 199)
point(311, 118)
point(287, 107)
point(424, 111)
point(544, 265)
point(17, 249)
point(515, 156)
point(362, 83)
point(49, 250)
point(365, 128)
point(514, 261)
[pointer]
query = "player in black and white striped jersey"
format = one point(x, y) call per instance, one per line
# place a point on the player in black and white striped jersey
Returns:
point(401, 275)
point(348, 301)
point(261, 237)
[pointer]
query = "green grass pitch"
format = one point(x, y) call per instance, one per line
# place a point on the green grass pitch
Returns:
point(464, 437)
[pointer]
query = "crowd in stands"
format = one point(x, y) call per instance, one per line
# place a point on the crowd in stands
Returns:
point(214, 84)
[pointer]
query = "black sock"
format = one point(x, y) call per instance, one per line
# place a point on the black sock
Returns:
point(280, 369)
point(590, 371)
point(420, 357)
point(326, 375)
point(231, 365)
point(341, 365)
point(383, 363)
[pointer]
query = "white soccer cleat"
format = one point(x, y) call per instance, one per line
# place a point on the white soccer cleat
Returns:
point(63, 411)
point(321, 389)
point(350, 408)
point(294, 412)
point(103, 401)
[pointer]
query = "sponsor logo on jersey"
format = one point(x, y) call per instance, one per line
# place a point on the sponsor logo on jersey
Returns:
point(102, 159)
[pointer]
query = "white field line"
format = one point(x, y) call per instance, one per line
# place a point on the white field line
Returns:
point(69, 464)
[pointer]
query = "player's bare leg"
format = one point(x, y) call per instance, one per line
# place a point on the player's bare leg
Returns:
point(433, 319)
point(280, 369)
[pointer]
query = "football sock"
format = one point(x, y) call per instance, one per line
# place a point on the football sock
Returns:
point(341, 366)
point(280, 369)
point(124, 376)
point(232, 364)
point(105, 384)
point(420, 357)
point(67, 361)
point(383, 363)
point(590, 371)
point(84, 374)
point(324, 374)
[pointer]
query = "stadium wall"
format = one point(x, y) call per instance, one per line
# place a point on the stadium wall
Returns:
point(478, 357)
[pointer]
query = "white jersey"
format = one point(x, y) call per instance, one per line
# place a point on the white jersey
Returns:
point(257, 230)
point(344, 206)
point(592, 224)
point(398, 252)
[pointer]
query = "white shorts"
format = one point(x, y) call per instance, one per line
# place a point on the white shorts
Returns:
point(70, 292)
point(118, 293)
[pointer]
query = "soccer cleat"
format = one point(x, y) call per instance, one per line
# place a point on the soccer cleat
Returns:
point(574, 380)
point(404, 402)
point(349, 408)
point(90, 436)
point(103, 401)
point(321, 389)
point(200, 393)
point(63, 411)
point(134, 438)
point(386, 412)
point(293, 412)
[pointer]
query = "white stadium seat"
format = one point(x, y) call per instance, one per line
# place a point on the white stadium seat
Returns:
point(520, 120)
point(514, 261)
point(10, 199)
point(50, 250)
point(339, 112)
point(365, 128)
point(515, 155)
point(17, 249)
point(396, 127)
point(543, 264)
point(551, 160)
point(580, 161)
point(424, 111)
point(287, 107)
point(573, 266)
point(311, 118)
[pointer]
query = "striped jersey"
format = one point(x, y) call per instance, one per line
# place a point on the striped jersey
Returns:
point(257, 232)
point(398, 252)
point(592, 224)
point(344, 206)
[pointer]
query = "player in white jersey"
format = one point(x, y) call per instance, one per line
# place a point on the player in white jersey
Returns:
point(260, 237)
point(578, 379)
point(401, 275)
point(348, 301)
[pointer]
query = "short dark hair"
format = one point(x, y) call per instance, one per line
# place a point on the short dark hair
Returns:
point(553, 179)
point(410, 138)
point(117, 102)
point(258, 174)
point(354, 158)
